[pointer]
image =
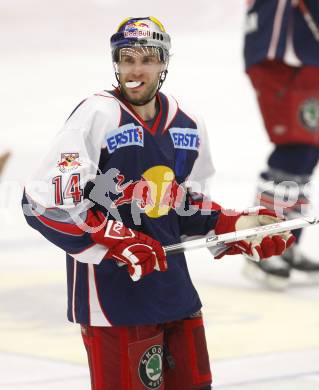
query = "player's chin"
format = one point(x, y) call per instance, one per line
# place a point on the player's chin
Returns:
point(140, 98)
point(136, 93)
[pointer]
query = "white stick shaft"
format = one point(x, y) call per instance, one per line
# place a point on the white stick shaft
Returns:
point(220, 241)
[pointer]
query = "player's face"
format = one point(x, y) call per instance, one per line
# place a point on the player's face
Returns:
point(139, 71)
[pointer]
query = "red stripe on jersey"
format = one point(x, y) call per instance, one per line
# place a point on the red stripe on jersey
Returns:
point(171, 121)
point(111, 97)
point(154, 128)
point(73, 230)
point(167, 112)
point(159, 116)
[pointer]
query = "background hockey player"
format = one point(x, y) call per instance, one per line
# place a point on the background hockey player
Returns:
point(123, 197)
point(3, 161)
point(282, 61)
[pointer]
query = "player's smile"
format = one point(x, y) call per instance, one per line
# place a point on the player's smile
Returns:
point(134, 86)
point(137, 90)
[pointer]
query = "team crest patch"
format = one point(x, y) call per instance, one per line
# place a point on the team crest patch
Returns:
point(150, 368)
point(184, 138)
point(309, 114)
point(68, 162)
point(127, 135)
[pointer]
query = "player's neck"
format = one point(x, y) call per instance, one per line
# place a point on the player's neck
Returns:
point(148, 111)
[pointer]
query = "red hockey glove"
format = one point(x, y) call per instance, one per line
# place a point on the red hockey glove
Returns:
point(256, 248)
point(141, 253)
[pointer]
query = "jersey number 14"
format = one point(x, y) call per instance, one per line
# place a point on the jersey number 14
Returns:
point(72, 189)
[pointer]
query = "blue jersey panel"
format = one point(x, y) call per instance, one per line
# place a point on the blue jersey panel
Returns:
point(268, 24)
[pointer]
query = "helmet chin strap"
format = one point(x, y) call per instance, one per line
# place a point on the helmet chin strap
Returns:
point(161, 80)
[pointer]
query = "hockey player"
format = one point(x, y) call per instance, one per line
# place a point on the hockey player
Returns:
point(282, 61)
point(116, 193)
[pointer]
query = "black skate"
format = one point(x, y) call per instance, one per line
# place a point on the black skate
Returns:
point(296, 260)
point(273, 272)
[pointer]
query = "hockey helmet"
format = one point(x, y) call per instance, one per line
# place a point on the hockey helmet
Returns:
point(141, 31)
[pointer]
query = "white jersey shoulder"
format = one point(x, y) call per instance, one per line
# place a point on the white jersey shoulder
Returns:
point(75, 152)
point(100, 110)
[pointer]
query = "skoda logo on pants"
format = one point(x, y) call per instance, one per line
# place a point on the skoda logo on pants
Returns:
point(309, 114)
point(150, 369)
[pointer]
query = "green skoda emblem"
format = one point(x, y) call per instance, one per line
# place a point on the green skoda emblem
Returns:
point(309, 114)
point(150, 369)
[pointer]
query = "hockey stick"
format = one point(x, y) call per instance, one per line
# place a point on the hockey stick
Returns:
point(220, 241)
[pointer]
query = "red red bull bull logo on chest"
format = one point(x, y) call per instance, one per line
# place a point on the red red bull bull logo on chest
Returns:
point(156, 193)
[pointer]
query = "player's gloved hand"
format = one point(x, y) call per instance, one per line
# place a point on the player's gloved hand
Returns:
point(141, 253)
point(256, 248)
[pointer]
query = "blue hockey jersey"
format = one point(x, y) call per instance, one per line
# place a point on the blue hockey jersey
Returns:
point(107, 159)
point(277, 29)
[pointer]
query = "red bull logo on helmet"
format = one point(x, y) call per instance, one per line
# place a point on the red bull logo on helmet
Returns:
point(137, 30)
point(138, 25)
